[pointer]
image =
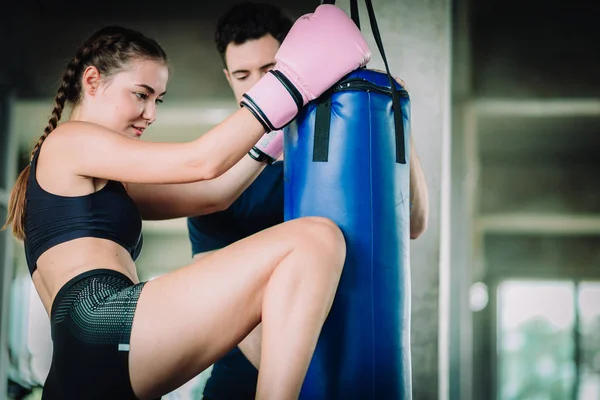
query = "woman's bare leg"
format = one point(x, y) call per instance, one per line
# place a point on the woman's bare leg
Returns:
point(285, 276)
point(251, 346)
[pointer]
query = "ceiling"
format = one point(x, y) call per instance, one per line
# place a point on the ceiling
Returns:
point(535, 48)
point(44, 36)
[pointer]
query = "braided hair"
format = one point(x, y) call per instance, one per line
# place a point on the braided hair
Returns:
point(110, 50)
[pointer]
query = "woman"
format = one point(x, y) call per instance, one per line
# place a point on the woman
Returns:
point(78, 207)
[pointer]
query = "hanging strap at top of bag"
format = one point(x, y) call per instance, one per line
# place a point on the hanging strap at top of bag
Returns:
point(398, 123)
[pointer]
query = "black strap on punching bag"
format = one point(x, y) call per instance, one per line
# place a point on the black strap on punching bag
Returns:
point(323, 112)
point(322, 125)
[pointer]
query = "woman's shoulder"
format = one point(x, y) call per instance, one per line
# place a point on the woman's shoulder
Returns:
point(71, 134)
point(78, 127)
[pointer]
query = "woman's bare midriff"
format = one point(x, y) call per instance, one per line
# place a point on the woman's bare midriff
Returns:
point(65, 261)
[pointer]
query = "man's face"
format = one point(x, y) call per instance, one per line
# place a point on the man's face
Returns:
point(248, 62)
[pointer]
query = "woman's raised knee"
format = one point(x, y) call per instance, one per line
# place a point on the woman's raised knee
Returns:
point(321, 231)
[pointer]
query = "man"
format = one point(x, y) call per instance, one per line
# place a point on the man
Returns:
point(247, 37)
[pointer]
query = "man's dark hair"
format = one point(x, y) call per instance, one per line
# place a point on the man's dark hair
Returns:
point(247, 21)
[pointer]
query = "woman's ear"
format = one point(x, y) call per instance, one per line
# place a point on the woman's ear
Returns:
point(90, 80)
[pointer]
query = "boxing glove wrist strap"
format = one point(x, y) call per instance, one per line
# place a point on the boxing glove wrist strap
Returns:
point(268, 148)
point(293, 91)
point(259, 156)
point(273, 100)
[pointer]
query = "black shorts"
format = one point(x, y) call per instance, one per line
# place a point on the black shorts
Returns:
point(91, 322)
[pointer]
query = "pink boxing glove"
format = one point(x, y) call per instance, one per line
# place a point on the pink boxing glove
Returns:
point(320, 49)
point(268, 148)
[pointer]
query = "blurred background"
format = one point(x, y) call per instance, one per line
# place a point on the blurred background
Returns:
point(506, 120)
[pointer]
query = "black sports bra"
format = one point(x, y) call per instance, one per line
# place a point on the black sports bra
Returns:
point(53, 219)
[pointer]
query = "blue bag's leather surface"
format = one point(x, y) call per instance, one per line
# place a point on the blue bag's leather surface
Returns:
point(364, 348)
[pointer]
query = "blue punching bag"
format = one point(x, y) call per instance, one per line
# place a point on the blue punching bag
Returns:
point(346, 158)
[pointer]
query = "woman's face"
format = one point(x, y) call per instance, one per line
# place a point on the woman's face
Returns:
point(128, 100)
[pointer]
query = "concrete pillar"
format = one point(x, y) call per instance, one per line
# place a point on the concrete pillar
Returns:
point(464, 176)
point(416, 37)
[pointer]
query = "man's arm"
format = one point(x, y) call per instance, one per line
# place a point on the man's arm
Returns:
point(419, 198)
point(158, 202)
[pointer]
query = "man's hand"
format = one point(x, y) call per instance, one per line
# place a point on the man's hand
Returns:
point(419, 198)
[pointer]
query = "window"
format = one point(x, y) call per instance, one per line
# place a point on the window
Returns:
point(589, 331)
point(548, 340)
